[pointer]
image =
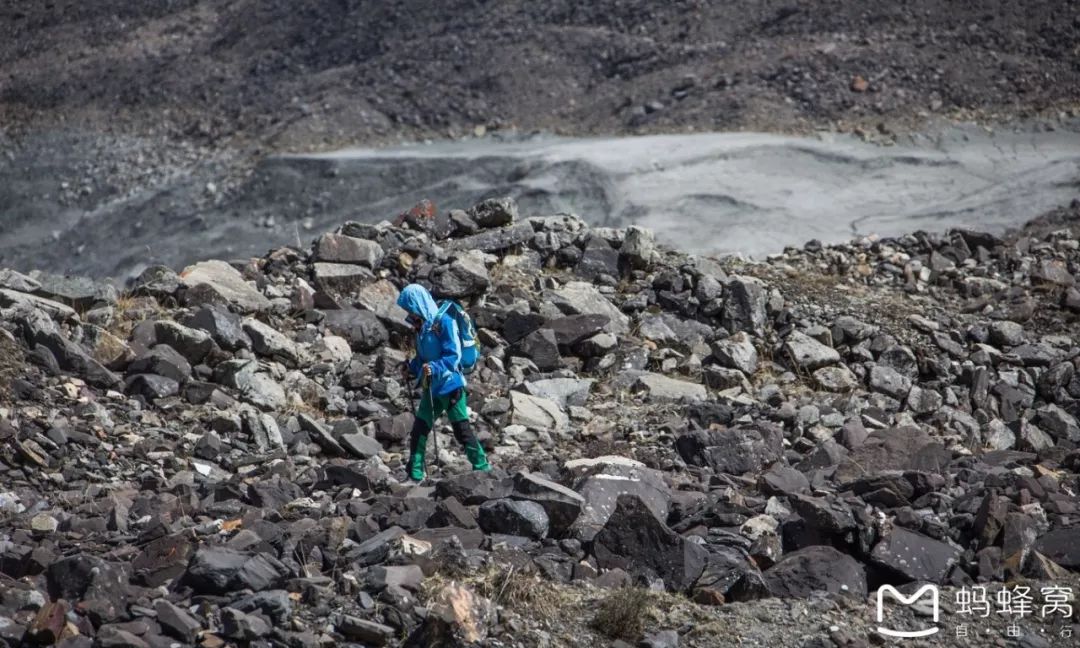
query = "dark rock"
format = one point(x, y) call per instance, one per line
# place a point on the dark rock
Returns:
point(734, 450)
point(224, 327)
point(636, 541)
point(215, 570)
point(162, 360)
point(541, 347)
point(904, 448)
point(915, 556)
point(561, 504)
point(819, 568)
point(465, 277)
point(744, 307)
point(151, 387)
point(243, 627)
point(1062, 545)
point(514, 517)
point(494, 212)
point(176, 621)
point(193, 344)
point(361, 328)
point(496, 239)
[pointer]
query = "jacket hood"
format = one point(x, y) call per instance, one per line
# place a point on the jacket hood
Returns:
point(416, 299)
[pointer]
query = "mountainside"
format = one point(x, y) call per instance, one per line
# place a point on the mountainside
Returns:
point(302, 74)
point(694, 452)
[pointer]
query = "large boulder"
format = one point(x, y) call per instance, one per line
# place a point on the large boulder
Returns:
point(514, 517)
point(580, 298)
point(466, 276)
point(361, 328)
point(338, 248)
point(562, 505)
point(903, 448)
point(915, 556)
point(816, 569)
point(604, 480)
point(636, 541)
point(734, 451)
point(537, 413)
point(744, 306)
point(221, 280)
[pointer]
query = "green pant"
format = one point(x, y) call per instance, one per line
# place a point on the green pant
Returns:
point(457, 410)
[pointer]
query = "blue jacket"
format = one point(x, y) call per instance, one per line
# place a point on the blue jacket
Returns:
point(438, 346)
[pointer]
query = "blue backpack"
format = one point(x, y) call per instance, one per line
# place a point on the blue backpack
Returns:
point(470, 348)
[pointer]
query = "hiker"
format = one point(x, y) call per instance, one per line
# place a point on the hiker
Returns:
point(438, 367)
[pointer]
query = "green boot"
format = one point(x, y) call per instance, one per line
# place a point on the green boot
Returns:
point(416, 459)
point(475, 452)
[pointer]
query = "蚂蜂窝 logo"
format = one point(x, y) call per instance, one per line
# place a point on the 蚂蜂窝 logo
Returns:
point(935, 603)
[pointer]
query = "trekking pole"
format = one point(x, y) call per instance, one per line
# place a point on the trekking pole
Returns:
point(434, 436)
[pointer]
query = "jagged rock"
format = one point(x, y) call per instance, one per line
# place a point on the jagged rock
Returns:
point(562, 505)
point(729, 575)
point(537, 413)
point(737, 352)
point(111, 636)
point(597, 259)
point(243, 627)
point(808, 354)
point(888, 381)
point(836, 379)
point(638, 248)
point(216, 570)
point(268, 341)
point(495, 240)
point(151, 387)
point(601, 481)
point(816, 569)
point(1059, 423)
point(744, 307)
point(564, 392)
point(362, 329)
point(364, 631)
point(466, 276)
point(162, 360)
point(225, 283)
point(661, 388)
point(735, 450)
point(224, 327)
point(176, 622)
point(635, 540)
point(12, 280)
point(1006, 334)
point(580, 298)
point(541, 347)
point(915, 556)
point(81, 293)
point(514, 517)
point(1060, 546)
point(338, 248)
point(54, 309)
point(193, 344)
point(380, 297)
point(904, 448)
point(1052, 271)
point(494, 212)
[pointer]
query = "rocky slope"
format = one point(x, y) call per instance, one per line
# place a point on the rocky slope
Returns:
point(267, 70)
point(687, 452)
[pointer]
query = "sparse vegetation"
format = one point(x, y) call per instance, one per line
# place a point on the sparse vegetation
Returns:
point(623, 613)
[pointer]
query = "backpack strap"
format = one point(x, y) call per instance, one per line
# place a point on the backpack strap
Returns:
point(443, 308)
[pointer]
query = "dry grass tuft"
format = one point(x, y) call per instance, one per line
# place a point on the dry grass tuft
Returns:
point(522, 590)
point(623, 613)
